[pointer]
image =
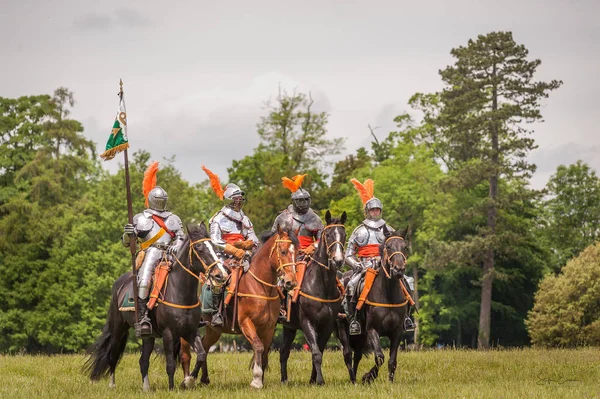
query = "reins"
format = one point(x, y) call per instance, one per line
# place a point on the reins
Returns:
point(197, 277)
point(312, 259)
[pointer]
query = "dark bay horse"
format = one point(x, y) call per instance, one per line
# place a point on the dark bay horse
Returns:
point(384, 311)
point(258, 302)
point(319, 301)
point(177, 314)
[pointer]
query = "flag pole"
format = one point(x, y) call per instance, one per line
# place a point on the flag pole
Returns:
point(132, 239)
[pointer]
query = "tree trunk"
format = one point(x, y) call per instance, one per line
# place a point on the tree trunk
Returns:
point(485, 313)
point(416, 299)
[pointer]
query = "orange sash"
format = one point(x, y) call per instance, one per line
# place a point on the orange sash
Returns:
point(233, 237)
point(305, 241)
point(369, 251)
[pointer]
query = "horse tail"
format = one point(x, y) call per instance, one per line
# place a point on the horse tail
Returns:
point(106, 352)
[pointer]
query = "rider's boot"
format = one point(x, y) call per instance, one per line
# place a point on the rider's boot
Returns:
point(409, 325)
point(144, 326)
point(217, 318)
point(354, 322)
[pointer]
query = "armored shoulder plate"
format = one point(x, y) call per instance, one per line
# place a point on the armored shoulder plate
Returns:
point(360, 236)
point(230, 213)
point(310, 219)
point(162, 214)
point(173, 223)
point(374, 224)
point(284, 219)
point(143, 222)
point(246, 222)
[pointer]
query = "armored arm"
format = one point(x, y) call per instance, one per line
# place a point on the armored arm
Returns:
point(174, 225)
point(215, 235)
point(138, 229)
point(351, 258)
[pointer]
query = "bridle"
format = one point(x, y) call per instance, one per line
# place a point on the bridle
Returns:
point(329, 245)
point(207, 268)
point(281, 264)
point(387, 258)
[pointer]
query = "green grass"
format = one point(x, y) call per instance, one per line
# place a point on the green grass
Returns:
point(523, 373)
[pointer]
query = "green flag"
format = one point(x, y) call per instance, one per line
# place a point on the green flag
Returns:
point(117, 141)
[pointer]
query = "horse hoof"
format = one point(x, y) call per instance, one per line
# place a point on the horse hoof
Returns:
point(146, 384)
point(205, 381)
point(188, 383)
point(256, 384)
point(112, 385)
point(367, 378)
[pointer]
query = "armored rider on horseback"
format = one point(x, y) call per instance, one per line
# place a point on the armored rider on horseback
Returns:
point(363, 250)
point(299, 217)
point(160, 233)
point(231, 232)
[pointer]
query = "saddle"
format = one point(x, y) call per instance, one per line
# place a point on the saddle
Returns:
point(127, 299)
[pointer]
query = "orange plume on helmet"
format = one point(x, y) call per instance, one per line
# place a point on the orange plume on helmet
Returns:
point(294, 183)
point(366, 190)
point(149, 179)
point(215, 182)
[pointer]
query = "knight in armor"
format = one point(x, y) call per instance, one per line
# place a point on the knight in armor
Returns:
point(159, 233)
point(299, 217)
point(363, 250)
point(231, 232)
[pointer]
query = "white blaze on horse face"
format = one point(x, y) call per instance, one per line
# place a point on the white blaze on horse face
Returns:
point(339, 251)
point(220, 266)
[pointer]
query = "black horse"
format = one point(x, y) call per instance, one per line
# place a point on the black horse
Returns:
point(176, 316)
point(319, 301)
point(384, 311)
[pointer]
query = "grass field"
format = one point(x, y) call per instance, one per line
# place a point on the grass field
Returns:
point(524, 373)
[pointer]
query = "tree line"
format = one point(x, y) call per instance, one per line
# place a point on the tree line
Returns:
point(481, 239)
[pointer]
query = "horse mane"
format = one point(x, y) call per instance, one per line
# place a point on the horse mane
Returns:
point(266, 236)
point(197, 232)
point(394, 233)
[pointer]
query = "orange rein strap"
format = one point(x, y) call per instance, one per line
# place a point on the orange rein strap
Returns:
point(174, 305)
point(314, 298)
point(386, 305)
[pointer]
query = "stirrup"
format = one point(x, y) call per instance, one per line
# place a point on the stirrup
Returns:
point(354, 327)
point(282, 318)
point(217, 320)
point(143, 328)
point(409, 326)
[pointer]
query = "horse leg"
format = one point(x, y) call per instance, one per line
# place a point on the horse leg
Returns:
point(317, 357)
point(373, 338)
point(200, 356)
point(346, 349)
point(210, 338)
point(185, 354)
point(266, 340)
point(288, 338)
point(186, 359)
point(394, 344)
point(169, 345)
point(147, 347)
point(249, 331)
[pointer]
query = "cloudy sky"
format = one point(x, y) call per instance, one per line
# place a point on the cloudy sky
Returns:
point(197, 73)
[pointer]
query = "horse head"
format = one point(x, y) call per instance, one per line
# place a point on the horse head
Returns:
point(394, 252)
point(283, 251)
point(333, 238)
point(202, 256)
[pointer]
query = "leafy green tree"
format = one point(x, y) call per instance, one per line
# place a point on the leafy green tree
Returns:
point(572, 211)
point(293, 141)
point(478, 121)
point(566, 311)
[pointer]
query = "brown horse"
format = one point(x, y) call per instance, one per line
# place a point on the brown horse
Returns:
point(258, 303)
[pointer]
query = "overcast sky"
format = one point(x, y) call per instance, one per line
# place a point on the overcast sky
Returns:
point(197, 73)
